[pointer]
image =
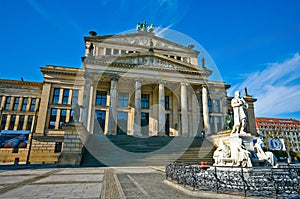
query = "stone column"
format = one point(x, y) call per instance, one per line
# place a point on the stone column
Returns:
point(86, 100)
point(137, 105)
point(184, 110)
point(205, 110)
point(90, 108)
point(113, 106)
point(161, 109)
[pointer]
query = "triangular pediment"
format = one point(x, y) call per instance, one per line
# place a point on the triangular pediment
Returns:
point(143, 40)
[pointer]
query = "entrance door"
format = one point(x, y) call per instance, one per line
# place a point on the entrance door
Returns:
point(167, 125)
point(122, 123)
point(145, 123)
point(99, 124)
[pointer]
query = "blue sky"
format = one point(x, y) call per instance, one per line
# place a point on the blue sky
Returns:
point(253, 43)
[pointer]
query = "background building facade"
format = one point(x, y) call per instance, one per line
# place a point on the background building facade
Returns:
point(280, 128)
point(135, 84)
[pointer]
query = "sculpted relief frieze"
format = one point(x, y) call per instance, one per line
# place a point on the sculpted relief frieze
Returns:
point(144, 41)
point(150, 61)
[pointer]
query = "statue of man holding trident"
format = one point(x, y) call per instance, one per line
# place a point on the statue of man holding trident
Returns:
point(239, 113)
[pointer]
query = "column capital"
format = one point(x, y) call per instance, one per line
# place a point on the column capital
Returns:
point(164, 82)
point(184, 83)
point(139, 80)
point(114, 77)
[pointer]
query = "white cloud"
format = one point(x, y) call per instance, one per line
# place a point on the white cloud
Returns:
point(277, 88)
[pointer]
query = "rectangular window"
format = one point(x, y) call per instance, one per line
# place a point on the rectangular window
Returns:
point(217, 106)
point(101, 97)
point(167, 102)
point(52, 121)
point(116, 51)
point(32, 105)
point(24, 105)
point(16, 104)
point(58, 147)
point(29, 123)
point(123, 100)
point(62, 118)
point(75, 96)
point(3, 122)
point(12, 122)
point(21, 122)
point(65, 98)
point(210, 105)
point(123, 52)
point(145, 100)
point(0, 101)
point(56, 93)
point(108, 51)
point(99, 126)
point(7, 103)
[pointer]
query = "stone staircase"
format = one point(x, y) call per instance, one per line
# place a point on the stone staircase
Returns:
point(123, 150)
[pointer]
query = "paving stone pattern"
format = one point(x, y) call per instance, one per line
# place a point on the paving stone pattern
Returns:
point(51, 183)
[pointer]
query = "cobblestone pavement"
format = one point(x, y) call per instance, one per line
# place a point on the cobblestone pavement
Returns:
point(51, 183)
point(106, 183)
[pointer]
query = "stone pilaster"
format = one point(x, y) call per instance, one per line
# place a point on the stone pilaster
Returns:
point(137, 103)
point(113, 107)
point(205, 110)
point(161, 109)
point(184, 110)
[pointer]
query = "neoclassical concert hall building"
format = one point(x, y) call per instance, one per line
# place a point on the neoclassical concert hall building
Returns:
point(134, 84)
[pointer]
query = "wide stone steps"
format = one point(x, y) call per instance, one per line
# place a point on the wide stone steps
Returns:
point(120, 150)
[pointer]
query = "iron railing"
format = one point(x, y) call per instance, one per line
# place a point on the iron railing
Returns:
point(262, 181)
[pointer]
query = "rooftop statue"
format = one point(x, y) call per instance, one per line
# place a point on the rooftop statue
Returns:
point(143, 27)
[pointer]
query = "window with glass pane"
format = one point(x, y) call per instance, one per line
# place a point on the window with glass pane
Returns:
point(56, 93)
point(101, 97)
point(16, 103)
point(108, 51)
point(3, 122)
point(167, 102)
point(210, 105)
point(32, 105)
point(52, 121)
point(123, 100)
point(116, 51)
point(65, 98)
point(7, 103)
point(217, 106)
point(29, 123)
point(145, 100)
point(62, 118)
point(99, 121)
point(24, 105)
point(75, 96)
point(12, 122)
point(0, 101)
point(21, 122)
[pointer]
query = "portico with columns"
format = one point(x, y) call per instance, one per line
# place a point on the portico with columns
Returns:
point(142, 85)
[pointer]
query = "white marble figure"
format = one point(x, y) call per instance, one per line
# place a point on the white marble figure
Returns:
point(261, 155)
point(243, 157)
point(239, 105)
point(220, 153)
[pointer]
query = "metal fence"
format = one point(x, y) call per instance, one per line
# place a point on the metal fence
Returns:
point(267, 182)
